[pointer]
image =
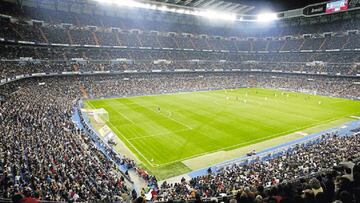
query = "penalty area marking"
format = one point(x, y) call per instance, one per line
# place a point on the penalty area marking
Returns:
point(122, 135)
point(159, 134)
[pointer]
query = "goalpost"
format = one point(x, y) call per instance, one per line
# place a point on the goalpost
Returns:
point(101, 116)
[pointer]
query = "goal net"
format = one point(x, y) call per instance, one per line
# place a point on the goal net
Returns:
point(101, 116)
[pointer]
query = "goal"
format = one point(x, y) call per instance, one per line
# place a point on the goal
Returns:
point(101, 116)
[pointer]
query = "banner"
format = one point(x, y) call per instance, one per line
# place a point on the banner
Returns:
point(316, 9)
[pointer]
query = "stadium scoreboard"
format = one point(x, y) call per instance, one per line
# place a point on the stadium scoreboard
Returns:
point(331, 7)
point(336, 6)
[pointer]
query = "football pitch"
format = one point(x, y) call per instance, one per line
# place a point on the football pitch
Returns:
point(164, 130)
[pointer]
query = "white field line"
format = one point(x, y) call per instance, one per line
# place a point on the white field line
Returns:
point(159, 134)
point(224, 148)
point(273, 135)
point(302, 133)
point(127, 118)
point(149, 107)
point(122, 135)
point(221, 149)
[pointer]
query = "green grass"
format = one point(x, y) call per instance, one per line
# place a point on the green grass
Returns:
point(193, 124)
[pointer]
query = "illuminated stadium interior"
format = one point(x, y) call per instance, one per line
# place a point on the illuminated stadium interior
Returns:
point(179, 101)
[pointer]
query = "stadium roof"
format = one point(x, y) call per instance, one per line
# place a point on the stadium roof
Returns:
point(243, 6)
point(226, 6)
point(219, 5)
point(279, 5)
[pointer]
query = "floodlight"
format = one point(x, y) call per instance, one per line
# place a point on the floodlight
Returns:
point(145, 6)
point(105, 1)
point(153, 7)
point(163, 8)
point(266, 17)
point(129, 3)
point(218, 15)
point(188, 12)
point(204, 13)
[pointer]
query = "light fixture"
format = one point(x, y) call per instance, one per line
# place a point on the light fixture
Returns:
point(266, 17)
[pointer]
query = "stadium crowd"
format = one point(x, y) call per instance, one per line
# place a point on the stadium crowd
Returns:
point(39, 167)
point(323, 171)
point(13, 52)
point(128, 85)
point(82, 36)
point(43, 156)
point(136, 33)
point(107, 31)
point(12, 68)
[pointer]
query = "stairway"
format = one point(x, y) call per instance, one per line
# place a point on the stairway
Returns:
point(96, 39)
point(69, 36)
point(346, 43)
point(157, 39)
point(176, 42)
point(208, 44)
point(192, 43)
point(17, 32)
point(267, 45)
point(322, 43)
point(302, 44)
point(118, 39)
point(283, 46)
point(83, 91)
point(138, 38)
point(43, 35)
